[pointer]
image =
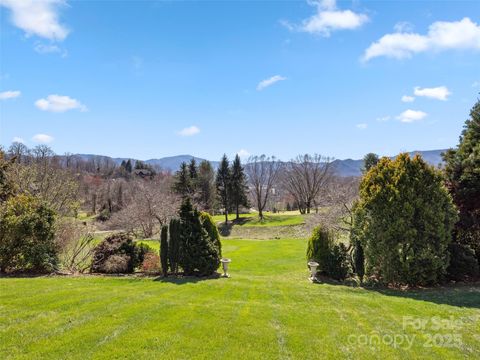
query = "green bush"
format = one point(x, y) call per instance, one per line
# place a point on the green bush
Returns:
point(404, 220)
point(320, 246)
point(118, 244)
point(199, 253)
point(212, 230)
point(338, 266)
point(332, 258)
point(141, 250)
point(463, 263)
point(27, 236)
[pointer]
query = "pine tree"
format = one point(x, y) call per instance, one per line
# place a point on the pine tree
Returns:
point(128, 166)
point(192, 169)
point(463, 180)
point(238, 186)
point(369, 161)
point(182, 183)
point(223, 182)
point(206, 186)
point(164, 250)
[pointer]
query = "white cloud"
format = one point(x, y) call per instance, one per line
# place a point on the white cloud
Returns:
point(50, 49)
point(270, 81)
point(37, 17)
point(441, 36)
point(10, 94)
point(189, 131)
point(408, 99)
point(42, 138)
point(439, 93)
point(409, 116)
point(383, 118)
point(59, 103)
point(328, 19)
point(362, 126)
point(18, 140)
point(243, 153)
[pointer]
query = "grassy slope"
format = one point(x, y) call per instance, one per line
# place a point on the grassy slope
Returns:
point(266, 310)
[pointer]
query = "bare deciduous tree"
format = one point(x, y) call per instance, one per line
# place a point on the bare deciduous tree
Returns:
point(149, 205)
point(263, 174)
point(304, 179)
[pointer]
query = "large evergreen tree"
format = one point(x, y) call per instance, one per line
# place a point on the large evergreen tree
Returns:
point(206, 186)
point(369, 161)
point(404, 220)
point(182, 184)
point(223, 184)
point(238, 186)
point(463, 180)
point(128, 166)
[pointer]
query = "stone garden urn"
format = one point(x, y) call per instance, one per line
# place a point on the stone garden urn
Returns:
point(225, 263)
point(313, 270)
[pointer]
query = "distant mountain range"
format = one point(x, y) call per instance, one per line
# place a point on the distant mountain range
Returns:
point(347, 167)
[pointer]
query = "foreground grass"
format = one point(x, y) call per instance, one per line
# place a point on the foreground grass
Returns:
point(267, 310)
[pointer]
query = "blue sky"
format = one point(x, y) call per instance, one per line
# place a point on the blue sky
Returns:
point(148, 79)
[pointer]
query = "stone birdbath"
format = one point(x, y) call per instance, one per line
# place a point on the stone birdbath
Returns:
point(225, 263)
point(313, 270)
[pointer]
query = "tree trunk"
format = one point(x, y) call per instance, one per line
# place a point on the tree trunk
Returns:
point(238, 212)
point(226, 216)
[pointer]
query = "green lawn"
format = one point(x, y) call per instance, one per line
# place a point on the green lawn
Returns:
point(270, 219)
point(266, 310)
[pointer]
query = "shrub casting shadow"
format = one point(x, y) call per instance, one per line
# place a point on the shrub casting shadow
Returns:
point(225, 229)
point(182, 280)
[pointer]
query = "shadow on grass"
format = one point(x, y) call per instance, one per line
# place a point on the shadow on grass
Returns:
point(461, 295)
point(182, 280)
point(464, 295)
point(225, 229)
